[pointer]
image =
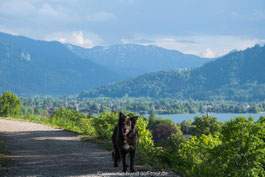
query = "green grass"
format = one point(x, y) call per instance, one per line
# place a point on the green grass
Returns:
point(4, 161)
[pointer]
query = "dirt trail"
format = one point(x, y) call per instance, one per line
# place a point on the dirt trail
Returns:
point(39, 150)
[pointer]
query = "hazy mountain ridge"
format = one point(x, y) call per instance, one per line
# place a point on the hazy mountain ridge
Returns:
point(31, 67)
point(133, 60)
point(236, 76)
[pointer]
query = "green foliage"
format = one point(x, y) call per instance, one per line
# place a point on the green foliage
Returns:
point(167, 155)
point(206, 125)
point(194, 153)
point(261, 119)
point(104, 124)
point(68, 119)
point(162, 132)
point(155, 121)
point(4, 161)
point(186, 126)
point(146, 144)
point(242, 152)
point(236, 148)
point(9, 105)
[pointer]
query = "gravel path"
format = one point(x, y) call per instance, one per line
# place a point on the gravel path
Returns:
point(39, 150)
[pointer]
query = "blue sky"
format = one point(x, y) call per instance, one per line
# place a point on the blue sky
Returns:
point(207, 28)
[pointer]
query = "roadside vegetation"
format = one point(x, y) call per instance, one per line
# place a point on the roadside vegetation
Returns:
point(4, 160)
point(233, 148)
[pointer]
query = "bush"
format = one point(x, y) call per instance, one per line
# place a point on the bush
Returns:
point(186, 126)
point(104, 124)
point(9, 105)
point(242, 152)
point(155, 121)
point(206, 125)
point(68, 119)
point(162, 132)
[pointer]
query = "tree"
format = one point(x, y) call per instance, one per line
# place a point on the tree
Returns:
point(162, 132)
point(206, 125)
point(186, 126)
point(9, 104)
point(242, 152)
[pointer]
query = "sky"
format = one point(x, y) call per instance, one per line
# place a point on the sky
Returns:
point(208, 28)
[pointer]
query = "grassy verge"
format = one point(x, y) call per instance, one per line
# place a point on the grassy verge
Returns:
point(4, 161)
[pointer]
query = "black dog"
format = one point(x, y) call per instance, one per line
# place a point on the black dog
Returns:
point(125, 140)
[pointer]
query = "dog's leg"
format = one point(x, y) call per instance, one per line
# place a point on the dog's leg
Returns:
point(117, 156)
point(132, 155)
point(123, 158)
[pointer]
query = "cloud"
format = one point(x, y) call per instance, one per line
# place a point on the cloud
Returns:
point(208, 53)
point(202, 45)
point(80, 38)
point(16, 8)
point(44, 13)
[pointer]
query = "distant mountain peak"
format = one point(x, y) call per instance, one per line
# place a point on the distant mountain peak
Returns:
point(134, 59)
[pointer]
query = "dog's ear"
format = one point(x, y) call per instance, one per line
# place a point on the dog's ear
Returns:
point(134, 119)
point(121, 116)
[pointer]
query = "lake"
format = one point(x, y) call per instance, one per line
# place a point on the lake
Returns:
point(178, 118)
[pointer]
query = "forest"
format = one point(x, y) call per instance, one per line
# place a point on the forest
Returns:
point(45, 105)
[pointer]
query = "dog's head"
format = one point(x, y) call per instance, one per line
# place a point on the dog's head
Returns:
point(127, 124)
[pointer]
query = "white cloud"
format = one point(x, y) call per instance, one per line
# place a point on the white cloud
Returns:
point(201, 45)
point(62, 40)
point(208, 53)
point(80, 38)
point(44, 13)
point(16, 8)
point(48, 10)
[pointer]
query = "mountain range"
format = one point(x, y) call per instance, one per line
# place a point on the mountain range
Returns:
point(239, 76)
point(34, 67)
point(132, 60)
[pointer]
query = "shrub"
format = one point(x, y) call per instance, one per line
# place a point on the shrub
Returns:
point(104, 124)
point(68, 119)
point(186, 126)
point(162, 132)
point(206, 125)
point(9, 105)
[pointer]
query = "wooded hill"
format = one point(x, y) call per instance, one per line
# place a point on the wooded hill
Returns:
point(238, 76)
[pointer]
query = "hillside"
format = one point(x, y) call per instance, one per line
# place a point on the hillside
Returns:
point(29, 67)
point(132, 60)
point(237, 76)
